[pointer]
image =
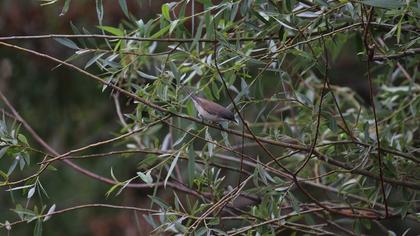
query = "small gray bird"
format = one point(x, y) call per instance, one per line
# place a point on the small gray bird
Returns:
point(211, 111)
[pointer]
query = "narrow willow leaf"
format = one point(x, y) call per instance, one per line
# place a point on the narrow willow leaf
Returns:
point(13, 166)
point(147, 178)
point(389, 4)
point(112, 30)
point(191, 165)
point(165, 11)
point(23, 139)
point(50, 211)
point(147, 76)
point(3, 151)
point(173, 25)
point(161, 32)
point(171, 168)
point(210, 146)
point(21, 187)
point(31, 192)
point(38, 228)
point(124, 8)
point(94, 60)
point(100, 11)
point(65, 7)
point(67, 42)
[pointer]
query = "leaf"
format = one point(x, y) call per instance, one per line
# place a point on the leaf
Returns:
point(65, 7)
point(171, 168)
point(124, 8)
point(165, 11)
point(93, 60)
point(191, 165)
point(210, 145)
point(179, 140)
point(38, 228)
point(161, 32)
point(3, 151)
point(23, 139)
point(389, 4)
point(31, 192)
point(26, 157)
point(285, 24)
point(50, 211)
point(173, 25)
point(21, 187)
point(100, 11)
point(147, 76)
point(13, 166)
point(322, 3)
point(21, 162)
point(67, 42)
point(147, 178)
point(112, 30)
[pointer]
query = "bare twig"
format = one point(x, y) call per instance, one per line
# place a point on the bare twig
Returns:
point(370, 52)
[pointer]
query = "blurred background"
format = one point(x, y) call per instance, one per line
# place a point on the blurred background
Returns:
point(58, 103)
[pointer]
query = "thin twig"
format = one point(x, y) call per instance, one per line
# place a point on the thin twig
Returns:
point(369, 52)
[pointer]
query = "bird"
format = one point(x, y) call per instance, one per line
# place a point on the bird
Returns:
point(211, 111)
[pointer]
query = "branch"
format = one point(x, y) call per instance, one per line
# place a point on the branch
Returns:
point(78, 168)
point(159, 108)
point(370, 52)
point(88, 206)
point(408, 52)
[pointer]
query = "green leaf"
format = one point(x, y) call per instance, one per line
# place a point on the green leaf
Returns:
point(38, 228)
point(31, 192)
point(67, 42)
point(165, 11)
point(389, 4)
point(171, 168)
point(100, 11)
point(210, 146)
point(112, 189)
point(161, 32)
point(112, 30)
point(13, 166)
point(50, 211)
point(4, 175)
point(3, 151)
point(147, 76)
point(65, 7)
point(23, 139)
point(124, 8)
point(173, 25)
point(147, 178)
point(191, 165)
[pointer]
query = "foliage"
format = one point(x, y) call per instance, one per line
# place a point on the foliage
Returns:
point(314, 156)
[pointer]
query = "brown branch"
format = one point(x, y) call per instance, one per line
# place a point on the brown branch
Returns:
point(87, 206)
point(159, 108)
point(399, 55)
point(370, 52)
point(78, 168)
point(318, 122)
point(155, 106)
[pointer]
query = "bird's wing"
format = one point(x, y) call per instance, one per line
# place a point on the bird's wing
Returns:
point(215, 109)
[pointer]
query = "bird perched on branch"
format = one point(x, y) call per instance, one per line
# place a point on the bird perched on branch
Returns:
point(211, 111)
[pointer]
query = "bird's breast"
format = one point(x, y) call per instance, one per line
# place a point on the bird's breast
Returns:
point(205, 115)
